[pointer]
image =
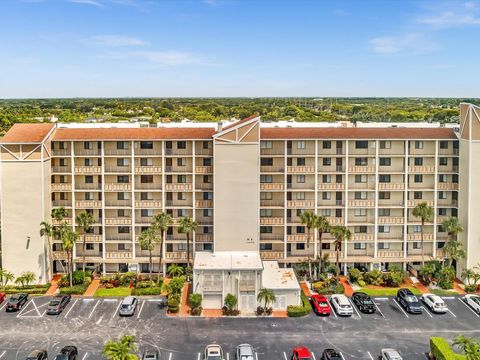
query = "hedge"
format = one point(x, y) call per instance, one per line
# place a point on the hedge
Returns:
point(74, 290)
point(300, 310)
point(31, 289)
point(173, 305)
point(442, 350)
point(147, 291)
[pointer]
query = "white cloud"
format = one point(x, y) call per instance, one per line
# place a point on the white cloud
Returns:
point(460, 14)
point(159, 58)
point(414, 44)
point(87, 2)
point(114, 40)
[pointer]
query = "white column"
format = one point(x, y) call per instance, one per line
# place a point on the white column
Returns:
point(346, 196)
point(72, 169)
point(104, 230)
point(194, 199)
point(435, 201)
point(375, 232)
point(315, 240)
point(405, 204)
point(132, 172)
point(285, 207)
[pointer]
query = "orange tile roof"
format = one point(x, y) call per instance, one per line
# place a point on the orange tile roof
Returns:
point(133, 133)
point(27, 133)
point(357, 133)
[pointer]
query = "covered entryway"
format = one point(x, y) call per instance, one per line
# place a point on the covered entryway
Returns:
point(247, 302)
point(212, 301)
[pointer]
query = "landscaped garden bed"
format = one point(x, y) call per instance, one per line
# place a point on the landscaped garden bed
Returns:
point(130, 283)
point(23, 283)
point(80, 281)
point(119, 291)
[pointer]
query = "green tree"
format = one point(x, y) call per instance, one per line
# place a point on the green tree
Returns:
point(187, 226)
point(123, 349)
point(46, 230)
point(69, 238)
point(425, 213)
point(454, 251)
point(453, 227)
point(267, 297)
point(308, 218)
point(470, 347)
point(59, 214)
point(5, 277)
point(322, 225)
point(341, 234)
point(175, 270)
point(84, 220)
point(147, 242)
point(471, 279)
point(162, 223)
point(230, 302)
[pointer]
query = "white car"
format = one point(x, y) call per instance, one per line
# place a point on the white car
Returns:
point(473, 301)
point(390, 354)
point(213, 352)
point(341, 305)
point(435, 303)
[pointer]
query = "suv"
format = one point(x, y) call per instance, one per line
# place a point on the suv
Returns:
point(331, 354)
point(245, 352)
point(37, 355)
point(363, 302)
point(57, 304)
point(67, 353)
point(409, 301)
point(341, 305)
point(213, 352)
point(128, 306)
point(390, 354)
point(151, 354)
point(16, 302)
point(320, 305)
point(301, 353)
point(435, 303)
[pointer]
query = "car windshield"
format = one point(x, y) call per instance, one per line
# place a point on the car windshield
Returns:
point(246, 357)
point(322, 304)
point(61, 357)
point(345, 306)
point(14, 298)
point(214, 357)
point(125, 306)
point(367, 301)
point(149, 356)
point(54, 302)
point(411, 298)
point(476, 300)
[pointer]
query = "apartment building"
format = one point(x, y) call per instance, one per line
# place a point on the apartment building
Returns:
point(367, 178)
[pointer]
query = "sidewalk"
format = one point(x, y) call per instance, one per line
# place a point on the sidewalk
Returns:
point(52, 290)
point(92, 288)
point(420, 287)
point(305, 289)
point(346, 285)
point(184, 305)
point(457, 287)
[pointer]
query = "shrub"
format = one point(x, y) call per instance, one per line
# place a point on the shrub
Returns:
point(147, 291)
point(361, 283)
point(300, 310)
point(74, 290)
point(470, 288)
point(332, 289)
point(319, 285)
point(230, 302)
point(442, 350)
point(104, 280)
point(373, 277)
point(128, 278)
point(173, 305)
point(195, 300)
point(78, 277)
point(395, 277)
point(145, 284)
point(355, 275)
point(175, 285)
point(446, 278)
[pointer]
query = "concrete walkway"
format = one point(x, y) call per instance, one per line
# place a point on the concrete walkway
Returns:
point(184, 303)
point(305, 289)
point(346, 285)
point(92, 288)
point(420, 287)
point(52, 290)
point(457, 287)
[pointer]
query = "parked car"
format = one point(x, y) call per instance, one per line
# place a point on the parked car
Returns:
point(409, 301)
point(3, 296)
point(58, 304)
point(320, 305)
point(473, 301)
point(245, 352)
point(151, 354)
point(301, 353)
point(341, 305)
point(67, 353)
point(128, 306)
point(331, 354)
point(389, 354)
point(16, 302)
point(213, 352)
point(363, 302)
point(435, 303)
point(38, 355)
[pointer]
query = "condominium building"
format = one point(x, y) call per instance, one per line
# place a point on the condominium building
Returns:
point(245, 184)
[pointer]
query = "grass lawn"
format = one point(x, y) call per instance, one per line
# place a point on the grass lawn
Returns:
point(120, 291)
point(441, 292)
point(387, 291)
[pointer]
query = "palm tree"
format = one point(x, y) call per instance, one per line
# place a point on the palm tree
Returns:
point(454, 251)
point(5, 277)
point(340, 233)
point(266, 296)
point(187, 226)
point(162, 222)
point(85, 221)
point(322, 225)
point(46, 230)
point(452, 226)
point(69, 238)
point(469, 346)
point(308, 219)
point(59, 213)
point(175, 270)
point(425, 213)
point(123, 349)
point(147, 242)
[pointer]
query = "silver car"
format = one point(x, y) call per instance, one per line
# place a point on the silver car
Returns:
point(390, 354)
point(128, 306)
point(245, 352)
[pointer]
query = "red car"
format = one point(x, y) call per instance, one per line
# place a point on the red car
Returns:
point(2, 297)
point(320, 305)
point(301, 353)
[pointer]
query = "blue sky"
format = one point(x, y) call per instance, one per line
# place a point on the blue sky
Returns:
point(103, 48)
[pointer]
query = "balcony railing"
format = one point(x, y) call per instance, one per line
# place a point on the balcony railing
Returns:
point(207, 204)
point(271, 237)
point(447, 202)
point(148, 204)
point(271, 255)
point(68, 221)
point(87, 186)
point(391, 220)
point(148, 169)
point(87, 152)
point(203, 186)
point(300, 169)
point(66, 203)
point(205, 220)
point(118, 169)
point(177, 255)
point(61, 152)
point(331, 186)
point(88, 170)
point(335, 220)
point(391, 186)
point(271, 186)
point(88, 204)
point(268, 203)
point(178, 169)
point(421, 169)
point(93, 238)
point(121, 255)
point(147, 152)
point(361, 169)
point(59, 255)
point(389, 254)
point(271, 169)
point(120, 203)
point(203, 238)
point(297, 238)
point(300, 203)
point(418, 237)
point(61, 187)
point(204, 169)
point(118, 237)
point(447, 186)
point(413, 203)
point(118, 187)
point(61, 169)
point(271, 221)
point(118, 221)
point(148, 185)
point(361, 203)
point(362, 237)
point(117, 152)
point(178, 187)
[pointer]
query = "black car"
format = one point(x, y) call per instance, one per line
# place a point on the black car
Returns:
point(38, 355)
point(363, 302)
point(409, 301)
point(331, 354)
point(67, 353)
point(58, 304)
point(16, 302)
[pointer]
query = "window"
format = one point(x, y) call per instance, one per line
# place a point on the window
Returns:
point(265, 246)
point(266, 161)
point(300, 195)
point(301, 144)
point(181, 144)
point(385, 161)
point(123, 179)
point(146, 162)
point(300, 179)
point(383, 246)
point(301, 162)
point(146, 179)
point(442, 195)
point(361, 144)
point(300, 246)
point(326, 196)
point(417, 245)
point(123, 196)
point(88, 145)
point(89, 179)
point(360, 212)
point(327, 161)
point(327, 145)
point(124, 230)
point(63, 162)
point(265, 212)
point(417, 228)
point(300, 229)
point(385, 144)
point(207, 179)
point(207, 196)
point(442, 178)
point(146, 144)
point(384, 195)
point(206, 145)
point(361, 161)
point(360, 229)
point(89, 246)
point(326, 178)
point(146, 212)
point(181, 179)
point(88, 162)
point(89, 196)
point(360, 195)
point(265, 229)
point(122, 162)
point(359, 246)
point(121, 213)
point(418, 178)
point(442, 212)
point(443, 161)
point(418, 161)
point(181, 162)
point(360, 178)
point(266, 196)
point(266, 145)
point(384, 178)
point(418, 144)
point(181, 213)
point(266, 178)
point(417, 195)
point(181, 196)
point(122, 145)
point(443, 144)
point(384, 229)
point(383, 212)
point(61, 145)
point(207, 161)
point(326, 212)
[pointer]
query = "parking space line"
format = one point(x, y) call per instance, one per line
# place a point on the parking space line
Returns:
point(342, 356)
point(380, 311)
point(451, 312)
point(198, 357)
point(3, 353)
point(313, 354)
point(116, 310)
point(91, 313)
point(6, 302)
point(370, 355)
point(468, 307)
point(284, 355)
point(99, 320)
point(141, 308)
point(71, 307)
point(23, 308)
point(354, 308)
point(84, 356)
point(331, 307)
point(427, 311)
point(36, 308)
point(228, 356)
point(170, 356)
point(400, 307)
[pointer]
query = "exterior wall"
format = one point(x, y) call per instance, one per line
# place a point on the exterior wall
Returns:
point(286, 298)
point(237, 173)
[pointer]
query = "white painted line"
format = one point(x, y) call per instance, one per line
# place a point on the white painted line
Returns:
point(23, 308)
point(71, 307)
point(84, 356)
point(228, 356)
point(3, 307)
point(381, 298)
point(256, 356)
point(99, 320)
point(331, 307)
point(400, 307)
point(313, 354)
point(170, 356)
point(448, 297)
point(378, 309)
point(3, 353)
point(36, 308)
point(109, 300)
point(342, 356)
point(116, 310)
point(451, 312)
point(428, 312)
point(93, 310)
point(354, 308)
point(141, 308)
point(89, 299)
point(468, 307)
point(370, 355)
point(284, 355)
point(198, 357)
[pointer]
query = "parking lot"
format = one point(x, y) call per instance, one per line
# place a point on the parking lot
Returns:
point(88, 322)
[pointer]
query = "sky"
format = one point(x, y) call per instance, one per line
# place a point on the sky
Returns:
point(239, 48)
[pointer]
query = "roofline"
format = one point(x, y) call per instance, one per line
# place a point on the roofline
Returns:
point(234, 125)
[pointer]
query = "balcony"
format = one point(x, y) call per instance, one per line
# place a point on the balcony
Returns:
point(361, 203)
point(391, 220)
point(178, 169)
point(148, 186)
point(203, 186)
point(203, 238)
point(300, 203)
point(87, 152)
point(391, 186)
point(178, 187)
point(177, 255)
point(119, 237)
point(145, 204)
point(61, 169)
point(447, 186)
point(418, 237)
point(88, 170)
point(300, 169)
point(88, 204)
point(361, 169)
point(204, 204)
point(271, 203)
point(390, 203)
point(298, 238)
point(204, 152)
point(388, 254)
point(204, 169)
point(148, 169)
point(272, 169)
point(331, 186)
point(271, 221)
point(179, 203)
point(301, 186)
point(447, 202)
point(413, 203)
point(118, 187)
point(67, 221)
point(59, 255)
point(91, 238)
point(64, 203)
point(169, 151)
point(118, 169)
point(61, 187)
point(362, 237)
point(271, 237)
point(204, 220)
point(118, 203)
point(448, 169)
point(421, 169)
point(271, 255)
point(118, 255)
point(117, 152)
point(271, 186)
point(61, 152)
point(335, 220)
point(87, 186)
point(118, 221)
